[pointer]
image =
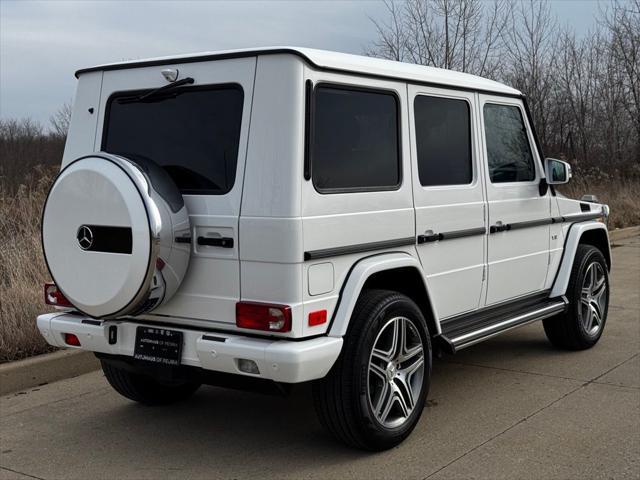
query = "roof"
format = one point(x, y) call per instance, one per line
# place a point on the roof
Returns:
point(328, 60)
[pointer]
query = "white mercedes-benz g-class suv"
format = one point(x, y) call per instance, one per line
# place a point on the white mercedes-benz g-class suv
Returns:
point(261, 218)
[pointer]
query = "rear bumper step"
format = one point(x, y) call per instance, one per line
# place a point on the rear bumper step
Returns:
point(454, 339)
point(279, 360)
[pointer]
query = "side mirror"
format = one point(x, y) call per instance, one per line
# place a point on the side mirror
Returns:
point(557, 171)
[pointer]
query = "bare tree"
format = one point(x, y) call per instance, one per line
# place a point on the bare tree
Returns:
point(60, 120)
point(584, 91)
point(462, 35)
point(24, 145)
point(391, 36)
point(623, 23)
point(530, 45)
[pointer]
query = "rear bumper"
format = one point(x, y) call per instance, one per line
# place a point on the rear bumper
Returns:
point(279, 360)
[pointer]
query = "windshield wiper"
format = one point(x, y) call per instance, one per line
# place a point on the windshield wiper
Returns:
point(145, 97)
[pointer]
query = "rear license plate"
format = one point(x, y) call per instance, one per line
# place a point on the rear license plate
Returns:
point(158, 345)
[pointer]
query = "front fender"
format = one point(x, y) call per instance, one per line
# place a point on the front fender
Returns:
point(570, 247)
point(358, 277)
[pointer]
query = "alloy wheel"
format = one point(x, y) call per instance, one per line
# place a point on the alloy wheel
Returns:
point(593, 298)
point(396, 372)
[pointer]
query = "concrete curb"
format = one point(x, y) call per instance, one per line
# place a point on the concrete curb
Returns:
point(46, 368)
point(622, 233)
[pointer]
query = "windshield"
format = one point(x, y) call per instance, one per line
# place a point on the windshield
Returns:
point(193, 133)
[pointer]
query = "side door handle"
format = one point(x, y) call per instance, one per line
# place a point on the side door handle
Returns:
point(224, 242)
point(499, 227)
point(429, 236)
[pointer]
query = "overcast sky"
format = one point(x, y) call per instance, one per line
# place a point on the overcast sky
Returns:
point(42, 43)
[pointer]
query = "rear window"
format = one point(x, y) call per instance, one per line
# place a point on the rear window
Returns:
point(193, 134)
point(355, 140)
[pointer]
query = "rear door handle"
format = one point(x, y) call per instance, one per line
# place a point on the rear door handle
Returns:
point(432, 237)
point(224, 242)
point(429, 236)
point(499, 227)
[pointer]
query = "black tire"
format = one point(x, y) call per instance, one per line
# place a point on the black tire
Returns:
point(568, 330)
point(342, 399)
point(145, 389)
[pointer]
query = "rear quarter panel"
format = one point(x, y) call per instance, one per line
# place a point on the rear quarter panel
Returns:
point(331, 220)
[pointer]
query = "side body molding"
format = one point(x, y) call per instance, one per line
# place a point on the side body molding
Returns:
point(358, 277)
point(574, 234)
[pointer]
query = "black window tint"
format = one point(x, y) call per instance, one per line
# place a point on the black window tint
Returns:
point(193, 134)
point(508, 150)
point(355, 140)
point(443, 141)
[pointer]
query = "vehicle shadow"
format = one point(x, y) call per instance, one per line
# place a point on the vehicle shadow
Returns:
point(227, 433)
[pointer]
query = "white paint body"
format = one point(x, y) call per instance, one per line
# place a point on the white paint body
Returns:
point(274, 215)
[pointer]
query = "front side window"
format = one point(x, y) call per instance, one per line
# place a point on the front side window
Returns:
point(355, 140)
point(508, 151)
point(443, 141)
point(193, 134)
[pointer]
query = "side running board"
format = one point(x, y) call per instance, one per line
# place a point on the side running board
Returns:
point(462, 333)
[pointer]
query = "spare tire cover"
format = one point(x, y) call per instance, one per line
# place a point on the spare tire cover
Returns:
point(109, 230)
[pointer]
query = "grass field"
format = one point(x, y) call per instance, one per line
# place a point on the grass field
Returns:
point(22, 269)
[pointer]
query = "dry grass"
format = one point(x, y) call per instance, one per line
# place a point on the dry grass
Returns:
point(22, 268)
point(621, 194)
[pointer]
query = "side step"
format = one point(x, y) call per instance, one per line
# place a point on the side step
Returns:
point(471, 329)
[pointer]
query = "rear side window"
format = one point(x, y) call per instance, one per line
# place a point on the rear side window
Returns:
point(192, 133)
point(508, 151)
point(443, 141)
point(354, 140)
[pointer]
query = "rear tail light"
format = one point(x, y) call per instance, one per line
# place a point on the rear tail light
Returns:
point(53, 296)
point(71, 339)
point(263, 316)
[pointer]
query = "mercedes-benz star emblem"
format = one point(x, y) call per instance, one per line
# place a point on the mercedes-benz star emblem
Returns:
point(85, 237)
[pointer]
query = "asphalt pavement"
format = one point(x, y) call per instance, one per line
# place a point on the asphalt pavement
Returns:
point(512, 407)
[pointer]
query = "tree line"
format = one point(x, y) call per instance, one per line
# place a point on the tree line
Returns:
point(26, 147)
point(583, 90)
